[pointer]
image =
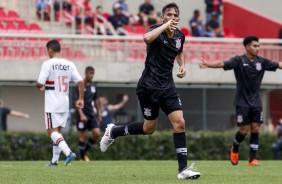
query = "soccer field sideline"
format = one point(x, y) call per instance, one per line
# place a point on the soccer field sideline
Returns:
point(137, 172)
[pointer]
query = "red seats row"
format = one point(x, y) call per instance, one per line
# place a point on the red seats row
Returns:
point(10, 16)
point(36, 51)
point(20, 26)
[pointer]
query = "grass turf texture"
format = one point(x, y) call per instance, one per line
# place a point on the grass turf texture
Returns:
point(135, 172)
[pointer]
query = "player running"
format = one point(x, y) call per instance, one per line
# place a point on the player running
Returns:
point(156, 89)
point(249, 70)
point(54, 78)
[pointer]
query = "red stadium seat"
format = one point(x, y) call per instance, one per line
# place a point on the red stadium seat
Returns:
point(185, 31)
point(140, 30)
point(129, 29)
point(13, 15)
point(10, 26)
point(33, 27)
point(22, 27)
point(228, 33)
point(2, 16)
point(2, 28)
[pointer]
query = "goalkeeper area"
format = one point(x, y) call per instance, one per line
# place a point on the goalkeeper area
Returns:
point(137, 172)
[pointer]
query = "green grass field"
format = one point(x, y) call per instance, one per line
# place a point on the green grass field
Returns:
point(136, 172)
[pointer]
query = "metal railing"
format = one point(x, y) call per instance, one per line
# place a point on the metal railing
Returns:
point(124, 48)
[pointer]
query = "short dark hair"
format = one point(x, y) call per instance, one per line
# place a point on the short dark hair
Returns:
point(249, 39)
point(89, 68)
point(98, 7)
point(54, 45)
point(170, 6)
point(196, 11)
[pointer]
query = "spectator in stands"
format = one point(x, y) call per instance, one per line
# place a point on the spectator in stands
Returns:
point(118, 20)
point(88, 13)
point(4, 112)
point(41, 9)
point(213, 6)
point(196, 25)
point(66, 5)
point(122, 4)
point(133, 19)
point(277, 146)
point(147, 13)
point(213, 27)
point(102, 25)
point(107, 110)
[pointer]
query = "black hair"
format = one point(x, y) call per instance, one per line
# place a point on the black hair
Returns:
point(249, 39)
point(89, 68)
point(196, 12)
point(170, 6)
point(54, 45)
point(98, 7)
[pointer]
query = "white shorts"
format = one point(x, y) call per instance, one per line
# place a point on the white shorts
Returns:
point(55, 120)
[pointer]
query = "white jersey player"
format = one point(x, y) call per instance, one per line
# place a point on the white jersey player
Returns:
point(54, 78)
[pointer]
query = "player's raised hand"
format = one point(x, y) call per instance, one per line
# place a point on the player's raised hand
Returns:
point(182, 72)
point(125, 98)
point(79, 104)
point(171, 25)
point(203, 63)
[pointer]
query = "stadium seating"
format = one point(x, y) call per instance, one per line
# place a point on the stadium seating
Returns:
point(31, 48)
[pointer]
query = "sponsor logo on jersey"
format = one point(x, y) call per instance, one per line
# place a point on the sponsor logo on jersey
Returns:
point(178, 43)
point(60, 67)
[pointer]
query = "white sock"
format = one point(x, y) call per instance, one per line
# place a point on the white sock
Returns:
point(58, 139)
point(56, 153)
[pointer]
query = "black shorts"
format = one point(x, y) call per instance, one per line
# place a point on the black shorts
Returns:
point(248, 115)
point(89, 125)
point(152, 100)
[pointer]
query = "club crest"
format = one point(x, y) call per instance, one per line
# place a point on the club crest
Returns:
point(239, 118)
point(258, 66)
point(147, 112)
point(178, 43)
point(93, 89)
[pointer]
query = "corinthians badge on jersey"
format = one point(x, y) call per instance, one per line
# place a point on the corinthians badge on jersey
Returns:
point(258, 66)
point(93, 89)
point(178, 43)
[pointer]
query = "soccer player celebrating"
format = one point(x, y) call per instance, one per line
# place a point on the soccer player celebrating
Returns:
point(86, 116)
point(156, 89)
point(249, 70)
point(54, 78)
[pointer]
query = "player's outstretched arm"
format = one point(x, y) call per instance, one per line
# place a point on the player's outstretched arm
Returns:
point(19, 114)
point(119, 105)
point(216, 64)
point(153, 34)
point(280, 65)
point(80, 103)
